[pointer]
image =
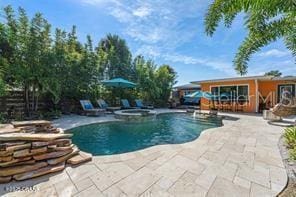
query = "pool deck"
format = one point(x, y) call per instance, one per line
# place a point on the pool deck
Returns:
point(241, 158)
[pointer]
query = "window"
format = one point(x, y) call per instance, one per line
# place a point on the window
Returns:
point(243, 93)
point(231, 93)
point(228, 93)
point(215, 92)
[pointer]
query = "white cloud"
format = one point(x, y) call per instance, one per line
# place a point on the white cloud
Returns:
point(274, 53)
point(149, 51)
point(218, 65)
point(160, 23)
point(142, 11)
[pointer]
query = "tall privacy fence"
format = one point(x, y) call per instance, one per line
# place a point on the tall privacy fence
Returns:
point(14, 102)
point(13, 105)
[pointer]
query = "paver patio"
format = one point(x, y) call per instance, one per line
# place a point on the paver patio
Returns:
point(239, 159)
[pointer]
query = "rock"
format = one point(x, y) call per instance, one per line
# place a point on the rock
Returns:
point(33, 136)
point(14, 161)
point(31, 123)
point(39, 150)
point(51, 155)
point(64, 147)
point(61, 142)
point(27, 129)
point(5, 179)
point(51, 147)
point(8, 171)
point(5, 153)
point(19, 147)
point(6, 158)
point(39, 144)
point(63, 158)
point(2, 147)
point(14, 143)
point(10, 130)
point(80, 158)
point(22, 153)
point(23, 163)
point(39, 172)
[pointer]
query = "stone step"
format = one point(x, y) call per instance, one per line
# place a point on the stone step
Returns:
point(33, 136)
point(80, 158)
point(63, 158)
point(40, 172)
point(8, 171)
point(52, 155)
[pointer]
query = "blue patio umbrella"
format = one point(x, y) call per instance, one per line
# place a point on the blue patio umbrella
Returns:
point(201, 94)
point(119, 82)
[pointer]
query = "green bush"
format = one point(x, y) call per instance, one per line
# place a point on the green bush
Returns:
point(290, 137)
point(292, 153)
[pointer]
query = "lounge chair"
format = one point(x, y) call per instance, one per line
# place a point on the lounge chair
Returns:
point(89, 109)
point(103, 105)
point(139, 104)
point(126, 104)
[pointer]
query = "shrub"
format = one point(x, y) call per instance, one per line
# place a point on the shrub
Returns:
point(292, 153)
point(290, 137)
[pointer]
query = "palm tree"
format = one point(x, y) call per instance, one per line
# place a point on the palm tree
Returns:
point(266, 21)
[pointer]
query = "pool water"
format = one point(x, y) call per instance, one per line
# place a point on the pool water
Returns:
point(124, 136)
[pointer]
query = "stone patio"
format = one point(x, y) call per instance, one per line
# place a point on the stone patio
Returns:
point(239, 159)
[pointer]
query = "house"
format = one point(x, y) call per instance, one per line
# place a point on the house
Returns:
point(186, 89)
point(247, 94)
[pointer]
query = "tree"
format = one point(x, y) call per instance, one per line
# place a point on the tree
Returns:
point(266, 21)
point(154, 84)
point(275, 73)
point(60, 68)
point(166, 79)
point(114, 57)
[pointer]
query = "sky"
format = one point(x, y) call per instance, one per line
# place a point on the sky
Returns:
point(167, 31)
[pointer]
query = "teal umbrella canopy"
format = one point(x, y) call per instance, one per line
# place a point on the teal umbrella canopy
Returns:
point(119, 82)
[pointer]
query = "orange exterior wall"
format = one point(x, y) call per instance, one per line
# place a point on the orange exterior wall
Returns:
point(267, 90)
point(250, 107)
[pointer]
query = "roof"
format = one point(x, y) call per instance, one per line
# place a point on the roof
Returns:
point(260, 78)
point(187, 86)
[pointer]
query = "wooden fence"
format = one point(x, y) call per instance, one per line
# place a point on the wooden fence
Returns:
point(15, 100)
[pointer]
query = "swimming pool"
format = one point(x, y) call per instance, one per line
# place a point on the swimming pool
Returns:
point(124, 136)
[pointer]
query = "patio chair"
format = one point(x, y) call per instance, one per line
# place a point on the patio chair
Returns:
point(139, 104)
point(89, 109)
point(126, 104)
point(103, 105)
